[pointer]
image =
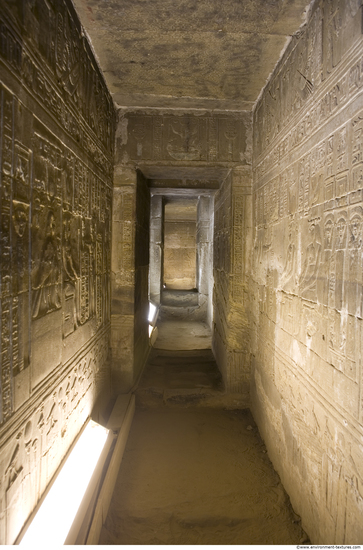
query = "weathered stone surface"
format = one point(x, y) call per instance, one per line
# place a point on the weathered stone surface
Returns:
point(142, 243)
point(156, 248)
point(231, 339)
point(180, 244)
point(57, 132)
point(192, 54)
point(307, 272)
point(183, 139)
point(130, 267)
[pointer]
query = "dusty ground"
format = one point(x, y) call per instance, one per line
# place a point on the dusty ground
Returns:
point(197, 476)
point(193, 472)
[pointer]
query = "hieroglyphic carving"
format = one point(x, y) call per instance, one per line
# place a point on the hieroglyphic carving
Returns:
point(356, 176)
point(18, 232)
point(304, 184)
point(213, 139)
point(323, 277)
point(69, 59)
point(342, 155)
point(329, 181)
point(46, 269)
point(317, 332)
point(238, 205)
point(288, 276)
point(340, 247)
point(20, 284)
point(187, 138)
point(230, 134)
point(70, 273)
point(6, 259)
point(47, 167)
point(157, 137)
point(30, 457)
point(99, 273)
point(55, 180)
point(354, 282)
point(86, 272)
point(333, 22)
point(315, 49)
point(13, 475)
point(302, 73)
point(317, 172)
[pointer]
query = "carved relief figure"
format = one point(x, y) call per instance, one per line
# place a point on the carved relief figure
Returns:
point(139, 132)
point(71, 273)
point(14, 467)
point(324, 268)
point(288, 275)
point(184, 139)
point(20, 219)
point(231, 134)
point(46, 279)
point(70, 278)
point(21, 176)
point(309, 273)
point(14, 489)
point(340, 245)
point(340, 233)
point(333, 36)
point(20, 246)
point(354, 280)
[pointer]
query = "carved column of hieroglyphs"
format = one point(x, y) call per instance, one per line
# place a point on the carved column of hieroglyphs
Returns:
point(7, 126)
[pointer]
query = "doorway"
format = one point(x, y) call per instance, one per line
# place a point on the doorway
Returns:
point(180, 245)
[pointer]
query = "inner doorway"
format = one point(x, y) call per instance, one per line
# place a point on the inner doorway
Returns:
point(180, 243)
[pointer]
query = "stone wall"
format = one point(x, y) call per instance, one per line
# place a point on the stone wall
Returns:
point(231, 267)
point(205, 232)
point(306, 282)
point(129, 279)
point(141, 322)
point(180, 228)
point(56, 131)
point(156, 248)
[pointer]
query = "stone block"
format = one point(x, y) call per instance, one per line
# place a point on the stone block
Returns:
point(156, 207)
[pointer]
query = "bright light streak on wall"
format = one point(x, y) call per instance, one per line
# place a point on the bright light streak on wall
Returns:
point(55, 516)
point(152, 311)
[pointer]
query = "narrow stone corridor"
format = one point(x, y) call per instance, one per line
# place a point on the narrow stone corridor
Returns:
point(194, 471)
point(181, 189)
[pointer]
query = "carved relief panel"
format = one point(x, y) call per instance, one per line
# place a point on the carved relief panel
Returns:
point(341, 26)
point(186, 138)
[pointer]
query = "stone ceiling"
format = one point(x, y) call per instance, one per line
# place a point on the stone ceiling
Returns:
point(189, 54)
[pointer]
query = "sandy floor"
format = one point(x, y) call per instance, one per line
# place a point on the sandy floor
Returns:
point(193, 474)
